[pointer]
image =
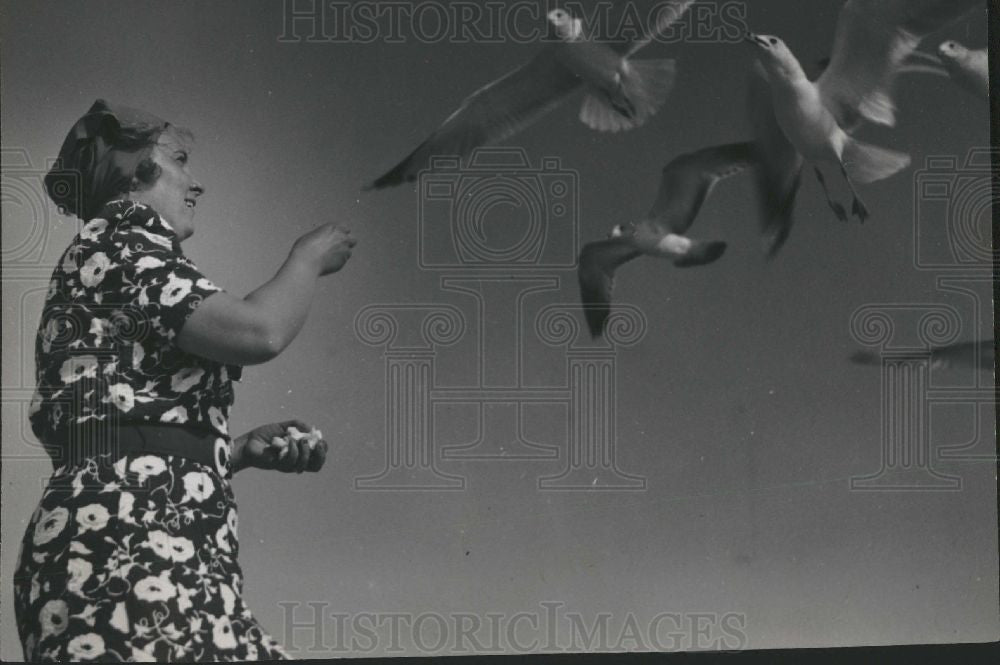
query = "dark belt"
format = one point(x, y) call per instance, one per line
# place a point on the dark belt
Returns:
point(198, 445)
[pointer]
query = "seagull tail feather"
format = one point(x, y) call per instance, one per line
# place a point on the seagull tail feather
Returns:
point(644, 89)
point(868, 163)
point(598, 114)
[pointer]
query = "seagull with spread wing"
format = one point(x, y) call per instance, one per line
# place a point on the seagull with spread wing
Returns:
point(685, 185)
point(795, 119)
point(874, 39)
point(621, 93)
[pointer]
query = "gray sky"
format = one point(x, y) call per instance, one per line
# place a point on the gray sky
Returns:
point(739, 407)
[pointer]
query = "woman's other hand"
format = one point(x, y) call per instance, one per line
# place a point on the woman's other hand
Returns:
point(327, 247)
point(254, 449)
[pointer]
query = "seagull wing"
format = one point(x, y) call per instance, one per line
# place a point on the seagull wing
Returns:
point(689, 179)
point(872, 39)
point(596, 272)
point(780, 164)
point(493, 113)
point(667, 13)
point(979, 71)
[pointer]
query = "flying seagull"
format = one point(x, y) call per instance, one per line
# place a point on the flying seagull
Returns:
point(981, 355)
point(798, 121)
point(620, 92)
point(686, 182)
point(967, 67)
point(873, 40)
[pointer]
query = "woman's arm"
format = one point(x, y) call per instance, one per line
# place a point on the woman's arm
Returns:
point(257, 328)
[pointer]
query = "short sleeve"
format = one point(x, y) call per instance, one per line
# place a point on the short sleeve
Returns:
point(159, 279)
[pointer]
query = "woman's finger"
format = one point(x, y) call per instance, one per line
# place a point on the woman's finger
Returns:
point(275, 452)
point(297, 424)
point(292, 458)
point(318, 456)
point(305, 452)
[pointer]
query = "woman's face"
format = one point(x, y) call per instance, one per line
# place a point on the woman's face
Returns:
point(175, 193)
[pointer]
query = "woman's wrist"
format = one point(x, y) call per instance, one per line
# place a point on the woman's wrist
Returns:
point(303, 258)
point(238, 460)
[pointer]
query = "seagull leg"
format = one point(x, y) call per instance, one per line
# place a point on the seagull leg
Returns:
point(837, 208)
point(621, 103)
point(858, 208)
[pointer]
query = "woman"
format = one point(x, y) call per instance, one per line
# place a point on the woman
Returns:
point(132, 552)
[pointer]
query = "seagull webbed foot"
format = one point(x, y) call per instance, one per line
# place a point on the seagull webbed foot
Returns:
point(859, 210)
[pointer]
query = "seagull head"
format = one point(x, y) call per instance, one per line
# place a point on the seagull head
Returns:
point(566, 27)
point(775, 54)
point(621, 229)
point(765, 42)
point(952, 49)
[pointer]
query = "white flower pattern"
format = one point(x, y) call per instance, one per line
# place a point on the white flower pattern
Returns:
point(53, 617)
point(80, 571)
point(94, 269)
point(50, 525)
point(93, 517)
point(178, 415)
point(86, 647)
point(153, 589)
point(122, 396)
point(80, 367)
point(175, 290)
point(198, 486)
point(185, 378)
point(148, 465)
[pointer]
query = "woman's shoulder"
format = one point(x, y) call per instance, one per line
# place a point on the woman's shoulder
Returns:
point(124, 222)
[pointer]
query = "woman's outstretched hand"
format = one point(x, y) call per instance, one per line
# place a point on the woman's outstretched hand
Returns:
point(327, 247)
point(255, 449)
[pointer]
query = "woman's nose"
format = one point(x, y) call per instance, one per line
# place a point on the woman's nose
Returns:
point(197, 188)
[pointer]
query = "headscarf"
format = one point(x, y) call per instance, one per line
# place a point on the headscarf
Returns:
point(99, 156)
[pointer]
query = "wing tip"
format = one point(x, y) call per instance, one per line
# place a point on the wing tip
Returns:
point(393, 178)
point(597, 319)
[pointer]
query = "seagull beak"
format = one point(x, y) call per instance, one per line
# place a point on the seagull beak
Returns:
point(757, 41)
point(924, 58)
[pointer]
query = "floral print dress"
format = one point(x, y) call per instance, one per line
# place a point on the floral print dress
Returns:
point(134, 558)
